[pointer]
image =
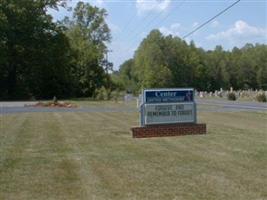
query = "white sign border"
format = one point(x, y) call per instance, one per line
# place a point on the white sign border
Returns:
point(142, 113)
point(179, 103)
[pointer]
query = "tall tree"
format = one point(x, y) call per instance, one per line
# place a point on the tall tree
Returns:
point(34, 50)
point(151, 68)
point(127, 76)
point(88, 34)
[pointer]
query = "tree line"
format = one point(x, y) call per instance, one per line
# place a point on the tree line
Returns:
point(167, 61)
point(41, 58)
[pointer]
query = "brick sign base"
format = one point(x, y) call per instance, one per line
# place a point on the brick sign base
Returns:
point(168, 130)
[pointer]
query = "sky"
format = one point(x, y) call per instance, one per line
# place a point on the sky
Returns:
point(131, 21)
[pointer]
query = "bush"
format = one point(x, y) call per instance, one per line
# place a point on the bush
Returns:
point(54, 99)
point(261, 97)
point(103, 94)
point(115, 95)
point(231, 96)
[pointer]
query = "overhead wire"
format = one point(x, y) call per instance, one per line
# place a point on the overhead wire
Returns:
point(153, 20)
point(165, 18)
point(193, 31)
point(208, 21)
point(124, 30)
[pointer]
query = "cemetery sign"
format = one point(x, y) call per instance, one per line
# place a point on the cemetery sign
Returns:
point(168, 106)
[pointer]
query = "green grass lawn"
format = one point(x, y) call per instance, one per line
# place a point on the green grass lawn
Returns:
point(93, 156)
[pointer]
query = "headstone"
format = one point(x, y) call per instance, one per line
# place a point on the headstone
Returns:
point(210, 94)
point(201, 95)
point(128, 97)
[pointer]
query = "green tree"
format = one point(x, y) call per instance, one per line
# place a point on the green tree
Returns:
point(177, 58)
point(34, 50)
point(88, 34)
point(151, 67)
point(261, 66)
point(127, 76)
point(167, 61)
point(246, 73)
point(262, 77)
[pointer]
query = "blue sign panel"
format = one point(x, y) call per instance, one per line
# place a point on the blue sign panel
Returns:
point(168, 95)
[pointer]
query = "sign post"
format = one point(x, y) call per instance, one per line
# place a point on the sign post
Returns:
point(168, 108)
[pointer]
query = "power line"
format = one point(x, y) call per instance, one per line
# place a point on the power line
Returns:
point(200, 26)
point(129, 21)
point(153, 20)
point(208, 21)
point(131, 31)
point(134, 31)
point(170, 13)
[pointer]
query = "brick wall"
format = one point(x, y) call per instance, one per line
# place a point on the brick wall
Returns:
point(168, 130)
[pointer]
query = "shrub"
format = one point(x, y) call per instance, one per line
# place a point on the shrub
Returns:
point(55, 100)
point(100, 93)
point(103, 94)
point(115, 95)
point(231, 96)
point(261, 97)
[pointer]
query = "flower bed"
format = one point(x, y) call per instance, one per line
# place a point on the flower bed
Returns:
point(55, 104)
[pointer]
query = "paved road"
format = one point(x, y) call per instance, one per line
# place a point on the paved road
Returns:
point(233, 105)
point(16, 103)
point(204, 105)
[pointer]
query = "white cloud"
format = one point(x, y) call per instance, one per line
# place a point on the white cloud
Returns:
point(215, 24)
point(99, 2)
point(240, 31)
point(175, 29)
point(195, 24)
point(113, 27)
point(152, 5)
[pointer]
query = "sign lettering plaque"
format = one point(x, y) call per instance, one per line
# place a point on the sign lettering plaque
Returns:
point(167, 106)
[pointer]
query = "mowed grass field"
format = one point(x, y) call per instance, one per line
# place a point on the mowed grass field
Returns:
point(93, 156)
